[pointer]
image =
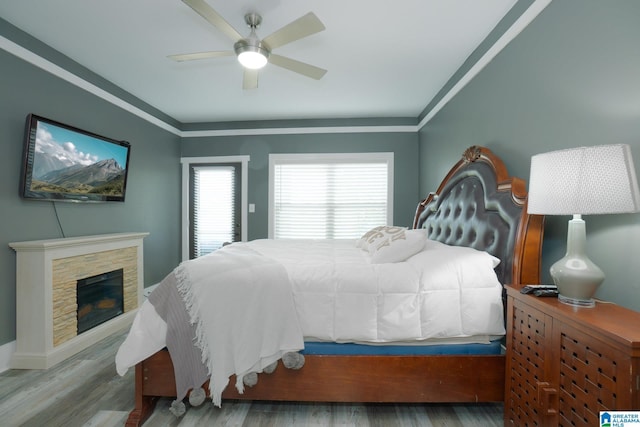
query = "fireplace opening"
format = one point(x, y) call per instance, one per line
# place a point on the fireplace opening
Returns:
point(100, 298)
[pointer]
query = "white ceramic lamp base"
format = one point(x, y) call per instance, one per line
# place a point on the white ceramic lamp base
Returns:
point(575, 275)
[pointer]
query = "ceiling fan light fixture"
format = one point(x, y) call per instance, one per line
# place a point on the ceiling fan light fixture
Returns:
point(252, 53)
point(252, 59)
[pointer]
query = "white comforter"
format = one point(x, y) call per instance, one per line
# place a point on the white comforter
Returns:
point(339, 295)
point(441, 292)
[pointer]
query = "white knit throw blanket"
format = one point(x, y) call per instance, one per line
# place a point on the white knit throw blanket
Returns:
point(242, 305)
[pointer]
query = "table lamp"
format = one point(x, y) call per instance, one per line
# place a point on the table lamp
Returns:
point(582, 181)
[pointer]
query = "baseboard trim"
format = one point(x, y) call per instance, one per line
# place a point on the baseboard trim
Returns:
point(6, 352)
point(51, 357)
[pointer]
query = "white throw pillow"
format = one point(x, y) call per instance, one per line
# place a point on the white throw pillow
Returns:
point(396, 244)
point(363, 242)
point(377, 236)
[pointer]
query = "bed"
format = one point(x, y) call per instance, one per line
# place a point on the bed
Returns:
point(477, 205)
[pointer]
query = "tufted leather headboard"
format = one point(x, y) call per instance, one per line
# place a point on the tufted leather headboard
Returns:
point(479, 205)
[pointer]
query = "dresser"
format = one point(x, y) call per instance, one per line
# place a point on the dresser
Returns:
point(565, 364)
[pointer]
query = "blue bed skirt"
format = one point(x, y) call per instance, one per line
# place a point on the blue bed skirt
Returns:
point(330, 348)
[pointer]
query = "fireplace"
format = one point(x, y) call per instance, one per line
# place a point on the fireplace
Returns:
point(100, 298)
point(47, 275)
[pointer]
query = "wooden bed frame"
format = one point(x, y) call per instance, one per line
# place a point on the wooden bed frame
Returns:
point(454, 214)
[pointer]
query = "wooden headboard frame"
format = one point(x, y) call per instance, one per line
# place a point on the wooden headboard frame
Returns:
point(479, 205)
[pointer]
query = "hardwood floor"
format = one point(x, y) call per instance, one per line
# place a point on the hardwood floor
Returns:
point(85, 390)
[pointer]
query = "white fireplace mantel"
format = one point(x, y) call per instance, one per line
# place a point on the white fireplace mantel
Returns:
point(35, 347)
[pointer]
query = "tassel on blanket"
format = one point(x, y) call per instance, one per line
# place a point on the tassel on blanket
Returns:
point(290, 360)
point(250, 379)
point(293, 360)
point(270, 368)
point(177, 408)
point(197, 396)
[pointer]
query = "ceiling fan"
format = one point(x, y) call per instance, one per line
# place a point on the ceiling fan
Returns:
point(252, 52)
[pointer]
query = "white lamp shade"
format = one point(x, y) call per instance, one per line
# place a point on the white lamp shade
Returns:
point(584, 180)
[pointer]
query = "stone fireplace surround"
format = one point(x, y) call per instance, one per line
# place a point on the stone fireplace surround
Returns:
point(46, 275)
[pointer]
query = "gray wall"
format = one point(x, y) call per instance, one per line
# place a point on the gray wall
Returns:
point(403, 145)
point(571, 78)
point(153, 193)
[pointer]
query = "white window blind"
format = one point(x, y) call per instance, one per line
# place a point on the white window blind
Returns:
point(213, 208)
point(329, 199)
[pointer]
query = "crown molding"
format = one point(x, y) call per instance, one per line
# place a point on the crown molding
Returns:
point(522, 22)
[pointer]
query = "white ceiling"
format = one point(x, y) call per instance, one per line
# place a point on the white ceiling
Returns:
point(384, 58)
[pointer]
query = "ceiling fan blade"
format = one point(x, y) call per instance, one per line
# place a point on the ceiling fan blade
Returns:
point(250, 79)
point(200, 55)
point(297, 66)
point(214, 18)
point(301, 27)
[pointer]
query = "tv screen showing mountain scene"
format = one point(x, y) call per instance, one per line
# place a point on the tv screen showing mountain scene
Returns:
point(65, 163)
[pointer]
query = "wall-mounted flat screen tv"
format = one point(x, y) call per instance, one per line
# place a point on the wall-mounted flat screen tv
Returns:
point(64, 163)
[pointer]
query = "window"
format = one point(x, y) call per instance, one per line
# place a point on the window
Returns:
point(214, 203)
point(329, 196)
point(213, 209)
